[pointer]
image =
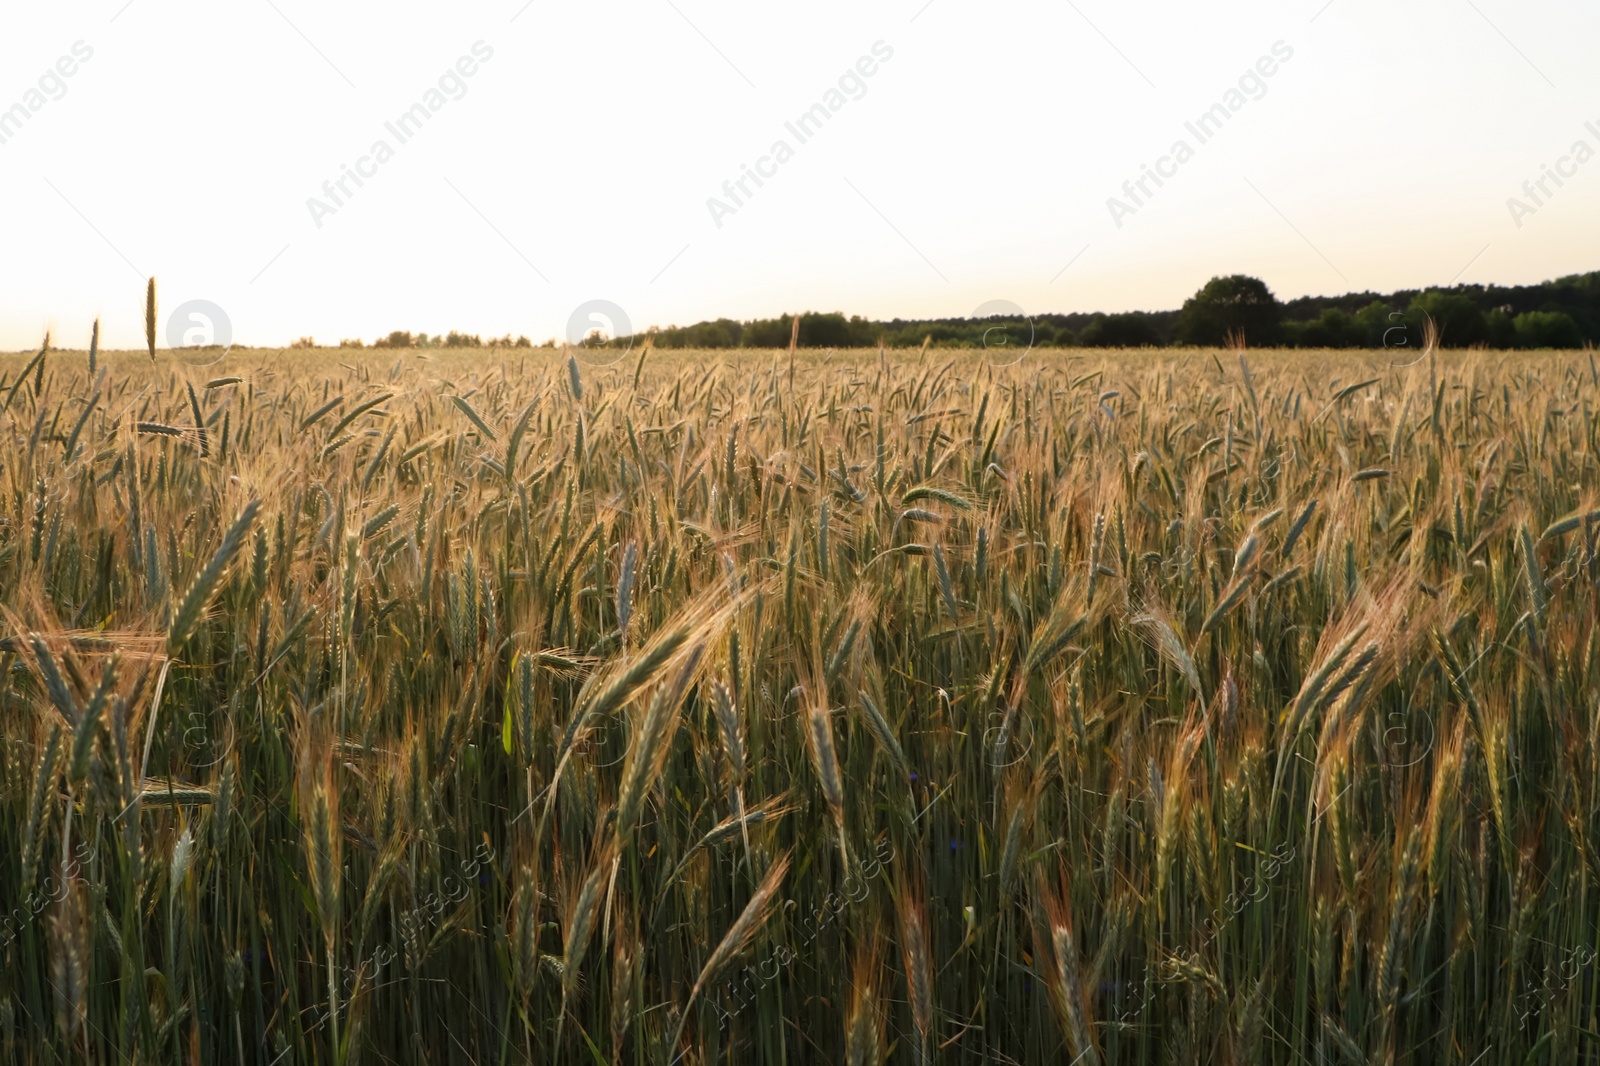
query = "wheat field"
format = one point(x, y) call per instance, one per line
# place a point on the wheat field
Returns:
point(513, 706)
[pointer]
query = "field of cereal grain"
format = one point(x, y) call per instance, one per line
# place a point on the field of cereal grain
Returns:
point(512, 706)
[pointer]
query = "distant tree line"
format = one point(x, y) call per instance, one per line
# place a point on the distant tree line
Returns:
point(1564, 313)
point(404, 339)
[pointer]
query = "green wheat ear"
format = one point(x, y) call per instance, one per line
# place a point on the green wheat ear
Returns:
point(150, 318)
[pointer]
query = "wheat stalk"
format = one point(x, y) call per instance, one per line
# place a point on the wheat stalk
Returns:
point(150, 318)
point(739, 934)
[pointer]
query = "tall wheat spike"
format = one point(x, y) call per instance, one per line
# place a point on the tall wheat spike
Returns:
point(188, 612)
point(150, 318)
point(578, 929)
point(1067, 995)
point(916, 955)
point(650, 744)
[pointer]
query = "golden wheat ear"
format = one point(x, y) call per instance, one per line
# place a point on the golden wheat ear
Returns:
point(150, 318)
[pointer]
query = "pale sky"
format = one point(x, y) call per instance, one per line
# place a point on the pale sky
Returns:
point(967, 153)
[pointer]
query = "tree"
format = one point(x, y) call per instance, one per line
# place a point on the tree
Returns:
point(1334, 328)
point(1547, 329)
point(1132, 329)
point(1234, 304)
point(817, 330)
point(722, 333)
point(1457, 318)
point(824, 330)
point(1381, 326)
point(1500, 328)
point(768, 332)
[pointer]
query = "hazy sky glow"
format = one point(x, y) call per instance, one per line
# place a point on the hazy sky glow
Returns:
point(514, 162)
